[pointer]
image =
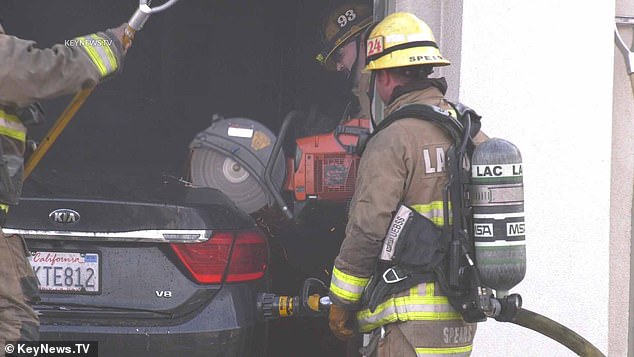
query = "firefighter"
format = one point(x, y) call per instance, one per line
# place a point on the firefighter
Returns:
point(344, 51)
point(403, 163)
point(29, 74)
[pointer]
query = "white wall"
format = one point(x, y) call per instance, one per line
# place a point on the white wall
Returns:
point(620, 313)
point(540, 72)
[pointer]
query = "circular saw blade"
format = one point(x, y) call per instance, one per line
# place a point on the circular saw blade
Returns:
point(231, 155)
point(213, 169)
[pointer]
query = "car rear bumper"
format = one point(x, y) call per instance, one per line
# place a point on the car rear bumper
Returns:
point(236, 342)
point(227, 326)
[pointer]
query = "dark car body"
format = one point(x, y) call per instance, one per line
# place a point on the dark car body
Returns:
point(171, 277)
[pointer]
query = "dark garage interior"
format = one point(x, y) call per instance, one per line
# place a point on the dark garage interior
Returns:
point(241, 58)
point(235, 58)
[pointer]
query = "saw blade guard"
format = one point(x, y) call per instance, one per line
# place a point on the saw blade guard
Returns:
point(231, 156)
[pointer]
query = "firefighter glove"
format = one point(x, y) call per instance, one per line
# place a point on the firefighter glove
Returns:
point(337, 320)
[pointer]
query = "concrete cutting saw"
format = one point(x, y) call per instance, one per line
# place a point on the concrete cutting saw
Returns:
point(245, 160)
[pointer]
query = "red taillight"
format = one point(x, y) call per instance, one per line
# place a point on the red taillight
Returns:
point(242, 256)
point(249, 257)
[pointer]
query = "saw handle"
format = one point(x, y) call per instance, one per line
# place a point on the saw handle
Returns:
point(268, 171)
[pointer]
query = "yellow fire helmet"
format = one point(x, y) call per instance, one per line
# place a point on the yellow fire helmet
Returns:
point(339, 26)
point(402, 39)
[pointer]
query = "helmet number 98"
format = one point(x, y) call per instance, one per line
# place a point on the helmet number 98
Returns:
point(343, 19)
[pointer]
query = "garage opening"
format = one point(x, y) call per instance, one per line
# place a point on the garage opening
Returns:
point(238, 58)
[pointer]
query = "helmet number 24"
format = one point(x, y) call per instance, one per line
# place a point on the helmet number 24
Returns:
point(343, 19)
point(375, 45)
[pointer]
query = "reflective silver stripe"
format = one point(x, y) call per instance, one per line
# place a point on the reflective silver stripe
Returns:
point(433, 211)
point(101, 46)
point(347, 287)
point(151, 235)
point(99, 51)
point(406, 308)
point(105, 51)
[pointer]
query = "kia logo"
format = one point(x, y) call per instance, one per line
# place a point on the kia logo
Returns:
point(64, 216)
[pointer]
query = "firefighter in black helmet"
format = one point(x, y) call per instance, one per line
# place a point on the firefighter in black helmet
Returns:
point(344, 50)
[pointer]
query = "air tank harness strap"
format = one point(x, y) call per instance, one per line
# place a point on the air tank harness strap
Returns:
point(453, 126)
point(454, 246)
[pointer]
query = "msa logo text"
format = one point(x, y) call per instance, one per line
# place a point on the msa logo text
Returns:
point(515, 229)
point(483, 230)
point(163, 294)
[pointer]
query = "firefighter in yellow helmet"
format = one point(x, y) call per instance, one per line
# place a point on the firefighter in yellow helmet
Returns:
point(403, 163)
point(29, 74)
point(344, 51)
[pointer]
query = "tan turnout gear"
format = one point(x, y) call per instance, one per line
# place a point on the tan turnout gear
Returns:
point(29, 74)
point(345, 22)
point(414, 150)
point(404, 163)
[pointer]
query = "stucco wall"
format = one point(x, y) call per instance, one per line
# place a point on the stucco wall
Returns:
point(541, 72)
point(622, 171)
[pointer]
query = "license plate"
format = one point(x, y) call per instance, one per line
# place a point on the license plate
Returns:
point(67, 272)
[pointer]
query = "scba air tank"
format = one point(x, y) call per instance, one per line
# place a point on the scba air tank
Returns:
point(497, 197)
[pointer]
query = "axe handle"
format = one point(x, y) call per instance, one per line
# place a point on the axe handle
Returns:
point(56, 130)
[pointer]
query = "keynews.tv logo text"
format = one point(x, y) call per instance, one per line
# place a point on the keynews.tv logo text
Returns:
point(52, 348)
point(93, 42)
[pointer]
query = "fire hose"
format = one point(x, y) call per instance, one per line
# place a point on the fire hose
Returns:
point(314, 301)
point(135, 24)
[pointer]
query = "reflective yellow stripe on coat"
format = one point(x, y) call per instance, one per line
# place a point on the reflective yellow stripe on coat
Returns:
point(347, 287)
point(444, 352)
point(100, 53)
point(434, 212)
point(12, 127)
point(420, 303)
